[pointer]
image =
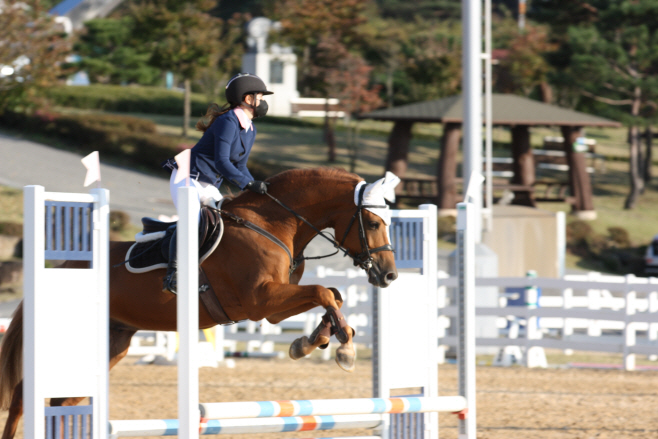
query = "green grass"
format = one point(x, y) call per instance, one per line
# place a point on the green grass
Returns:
point(301, 145)
point(11, 205)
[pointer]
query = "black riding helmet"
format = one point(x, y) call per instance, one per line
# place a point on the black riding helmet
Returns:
point(243, 84)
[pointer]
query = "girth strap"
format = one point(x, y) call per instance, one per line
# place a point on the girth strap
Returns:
point(210, 300)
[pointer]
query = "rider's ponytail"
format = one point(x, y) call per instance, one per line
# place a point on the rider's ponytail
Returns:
point(213, 112)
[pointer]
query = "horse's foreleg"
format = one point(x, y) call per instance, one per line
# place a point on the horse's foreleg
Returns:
point(275, 300)
point(279, 317)
point(333, 324)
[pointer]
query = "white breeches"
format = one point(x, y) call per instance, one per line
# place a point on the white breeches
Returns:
point(208, 194)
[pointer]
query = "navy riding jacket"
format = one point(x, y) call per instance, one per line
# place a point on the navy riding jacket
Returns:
point(223, 151)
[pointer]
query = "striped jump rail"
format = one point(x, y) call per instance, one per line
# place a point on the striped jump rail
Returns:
point(320, 407)
point(287, 416)
point(169, 427)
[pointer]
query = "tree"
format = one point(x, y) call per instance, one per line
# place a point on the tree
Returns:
point(30, 61)
point(349, 81)
point(306, 22)
point(523, 67)
point(414, 61)
point(230, 48)
point(346, 77)
point(327, 33)
point(432, 65)
point(182, 38)
point(614, 60)
point(435, 9)
point(109, 55)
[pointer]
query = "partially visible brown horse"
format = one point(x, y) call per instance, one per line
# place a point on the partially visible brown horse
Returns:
point(249, 273)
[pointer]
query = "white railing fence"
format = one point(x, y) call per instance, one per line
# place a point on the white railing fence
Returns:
point(615, 314)
point(592, 312)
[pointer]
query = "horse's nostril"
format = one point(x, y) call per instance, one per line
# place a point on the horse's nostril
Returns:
point(389, 277)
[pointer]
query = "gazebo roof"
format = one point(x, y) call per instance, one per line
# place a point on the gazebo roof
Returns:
point(507, 109)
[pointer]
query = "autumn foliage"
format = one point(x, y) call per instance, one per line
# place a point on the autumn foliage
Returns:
point(33, 50)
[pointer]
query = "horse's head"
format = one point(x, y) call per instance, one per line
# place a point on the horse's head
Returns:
point(365, 233)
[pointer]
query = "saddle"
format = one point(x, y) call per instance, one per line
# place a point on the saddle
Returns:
point(151, 249)
point(151, 252)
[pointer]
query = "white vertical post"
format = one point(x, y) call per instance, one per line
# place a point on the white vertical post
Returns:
point(430, 256)
point(488, 115)
point(472, 98)
point(561, 243)
point(466, 215)
point(652, 333)
point(567, 323)
point(531, 302)
point(381, 387)
point(629, 327)
point(219, 343)
point(188, 313)
point(33, 266)
point(101, 248)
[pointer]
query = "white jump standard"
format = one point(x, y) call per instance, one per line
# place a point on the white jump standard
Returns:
point(403, 315)
point(75, 227)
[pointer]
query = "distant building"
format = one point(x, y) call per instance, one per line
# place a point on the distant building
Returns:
point(79, 11)
point(277, 67)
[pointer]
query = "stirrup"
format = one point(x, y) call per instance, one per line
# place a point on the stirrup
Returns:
point(169, 283)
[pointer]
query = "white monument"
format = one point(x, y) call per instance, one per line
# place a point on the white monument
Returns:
point(275, 65)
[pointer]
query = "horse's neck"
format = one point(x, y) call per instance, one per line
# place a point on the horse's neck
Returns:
point(322, 208)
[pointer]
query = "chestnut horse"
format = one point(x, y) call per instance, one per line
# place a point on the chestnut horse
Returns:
point(249, 273)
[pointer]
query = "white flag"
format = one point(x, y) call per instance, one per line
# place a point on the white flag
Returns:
point(93, 165)
point(183, 162)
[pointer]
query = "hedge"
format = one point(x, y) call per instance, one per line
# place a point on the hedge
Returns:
point(129, 140)
point(126, 99)
point(147, 100)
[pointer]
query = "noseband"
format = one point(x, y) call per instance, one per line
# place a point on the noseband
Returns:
point(364, 259)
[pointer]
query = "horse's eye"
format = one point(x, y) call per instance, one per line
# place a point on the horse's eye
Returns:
point(373, 225)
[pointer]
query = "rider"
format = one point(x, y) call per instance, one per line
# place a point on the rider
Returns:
point(222, 152)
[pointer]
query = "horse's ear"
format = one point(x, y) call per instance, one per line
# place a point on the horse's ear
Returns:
point(384, 187)
point(390, 182)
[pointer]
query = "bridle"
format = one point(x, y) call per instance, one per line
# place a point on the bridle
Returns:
point(364, 259)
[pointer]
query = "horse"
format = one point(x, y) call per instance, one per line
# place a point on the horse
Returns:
point(250, 274)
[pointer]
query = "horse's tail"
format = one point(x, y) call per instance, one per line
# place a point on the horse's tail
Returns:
point(11, 358)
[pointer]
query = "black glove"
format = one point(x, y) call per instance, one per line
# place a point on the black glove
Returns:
point(260, 187)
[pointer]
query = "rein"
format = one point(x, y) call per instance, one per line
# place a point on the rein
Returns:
point(363, 259)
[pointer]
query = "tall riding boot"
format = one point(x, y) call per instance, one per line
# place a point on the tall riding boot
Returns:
point(169, 281)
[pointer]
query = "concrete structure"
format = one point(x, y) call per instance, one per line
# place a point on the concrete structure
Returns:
point(275, 65)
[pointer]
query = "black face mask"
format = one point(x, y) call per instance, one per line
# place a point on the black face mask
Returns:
point(260, 110)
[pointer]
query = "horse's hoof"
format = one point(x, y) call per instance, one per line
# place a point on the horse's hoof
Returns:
point(345, 358)
point(297, 348)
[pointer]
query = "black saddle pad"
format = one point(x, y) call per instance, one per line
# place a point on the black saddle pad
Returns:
point(151, 251)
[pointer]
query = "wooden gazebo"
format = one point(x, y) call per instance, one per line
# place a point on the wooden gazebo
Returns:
point(519, 114)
